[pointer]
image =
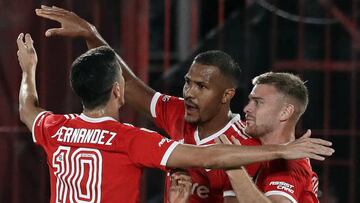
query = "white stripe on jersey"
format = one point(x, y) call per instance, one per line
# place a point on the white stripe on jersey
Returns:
point(239, 132)
point(281, 193)
point(315, 183)
point(168, 153)
point(242, 124)
point(66, 116)
point(242, 128)
point(153, 104)
point(39, 116)
point(229, 193)
point(217, 134)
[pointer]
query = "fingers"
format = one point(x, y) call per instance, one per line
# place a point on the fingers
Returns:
point(320, 141)
point(316, 157)
point(53, 32)
point(322, 150)
point(28, 40)
point(20, 41)
point(53, 10)
point(179, 176)
point(51, 15)
point(26, 43)
point(306, 135)
point(224, 139)
point(235, 141)
point(217, 141)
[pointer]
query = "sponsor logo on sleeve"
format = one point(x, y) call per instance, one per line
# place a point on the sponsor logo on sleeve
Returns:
point(164, 140)
point(283, 186)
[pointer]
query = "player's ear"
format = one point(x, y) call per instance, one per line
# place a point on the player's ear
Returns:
point(116, 90)
point(287, 112)
point(228, 95)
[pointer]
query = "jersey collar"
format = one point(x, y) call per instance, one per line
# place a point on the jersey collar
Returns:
point(95, 120)
point(215, 135)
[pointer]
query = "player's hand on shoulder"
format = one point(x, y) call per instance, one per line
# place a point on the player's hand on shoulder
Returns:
point(180, 187)
point(26, 52)
point(223, 139)
point(305, 146)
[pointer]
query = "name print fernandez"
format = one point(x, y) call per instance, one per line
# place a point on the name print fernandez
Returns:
point(83, 135)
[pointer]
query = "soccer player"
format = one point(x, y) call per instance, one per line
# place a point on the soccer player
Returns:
point(205, 114)
point(198, 118)
point(94, 158)
point(275, 105)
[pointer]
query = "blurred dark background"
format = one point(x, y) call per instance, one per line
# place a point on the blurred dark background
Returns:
point(318, 40)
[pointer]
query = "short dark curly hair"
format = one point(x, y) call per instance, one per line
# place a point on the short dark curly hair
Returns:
point(93, 75)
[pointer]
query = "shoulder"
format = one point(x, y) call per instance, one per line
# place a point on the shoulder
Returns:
point(47, 118)
point(296, 168)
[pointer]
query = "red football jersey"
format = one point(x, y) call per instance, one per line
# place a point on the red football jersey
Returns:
point(208, 185)
point(293, 179)
point(97, 159)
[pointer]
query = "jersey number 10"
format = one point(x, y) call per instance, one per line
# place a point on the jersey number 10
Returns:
point(78, 173)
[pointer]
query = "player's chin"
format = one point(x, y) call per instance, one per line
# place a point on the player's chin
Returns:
point(191, 118)
point(250, 131)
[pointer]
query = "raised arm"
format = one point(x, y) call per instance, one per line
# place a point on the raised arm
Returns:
point(28, 98)
point(231, 156)
point(137, 94)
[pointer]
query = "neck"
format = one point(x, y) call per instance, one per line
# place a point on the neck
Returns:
point(101, 112)
point(281, 135)
point(215, 124)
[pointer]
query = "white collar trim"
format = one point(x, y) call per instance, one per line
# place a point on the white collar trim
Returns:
point(95, 120)
point(215, 135)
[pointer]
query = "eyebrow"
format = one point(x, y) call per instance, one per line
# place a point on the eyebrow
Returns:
point(186, 77)
point(255, 98)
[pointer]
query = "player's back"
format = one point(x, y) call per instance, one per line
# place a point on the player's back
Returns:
point(96, 159)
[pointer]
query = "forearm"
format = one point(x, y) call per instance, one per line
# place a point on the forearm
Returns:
point(230, 157)
point(137, 94)
point(244, 188)
point(28, 99)
point(93, 38)
point(222, 156)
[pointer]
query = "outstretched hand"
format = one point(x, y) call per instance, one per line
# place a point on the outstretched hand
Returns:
point(305, 146)
point(26, 53)
point(71, 24)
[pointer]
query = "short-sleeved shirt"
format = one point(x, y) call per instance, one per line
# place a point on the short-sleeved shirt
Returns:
point(208, 185)
point(97, 159)
point(293, 179)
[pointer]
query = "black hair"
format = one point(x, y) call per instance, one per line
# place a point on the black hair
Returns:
point(226, 64)
point(93, 75)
